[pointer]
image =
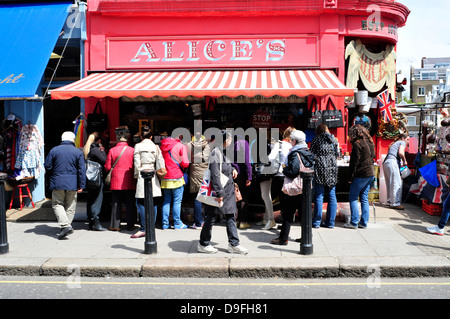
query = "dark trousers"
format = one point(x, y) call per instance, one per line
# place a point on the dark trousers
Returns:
point(212, 213)
point(289, 205)
point(243, 204)
point(94, 203)
point(119, 197)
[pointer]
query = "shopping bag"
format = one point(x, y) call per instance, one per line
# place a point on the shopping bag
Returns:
point(332, 117)
point(97, 121)
point(206, 194)
point(314, 118)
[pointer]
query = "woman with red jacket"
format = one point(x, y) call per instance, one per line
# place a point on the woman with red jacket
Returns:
point(176, 160)
point(123, 183)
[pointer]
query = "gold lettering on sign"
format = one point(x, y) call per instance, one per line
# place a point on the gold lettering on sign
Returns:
point(12, 78)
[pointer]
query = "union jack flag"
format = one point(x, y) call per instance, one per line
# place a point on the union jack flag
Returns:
point(436, 195)
point(206, 188)
point(385, 104)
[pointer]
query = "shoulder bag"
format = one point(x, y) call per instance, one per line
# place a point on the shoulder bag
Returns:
point(93, 174)
point(273, 168)
point(293, 186)
point(108, 177)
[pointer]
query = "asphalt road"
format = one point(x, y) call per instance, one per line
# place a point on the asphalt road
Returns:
point(198, 290)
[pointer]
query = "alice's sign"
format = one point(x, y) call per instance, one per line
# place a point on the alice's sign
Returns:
point(179, 52)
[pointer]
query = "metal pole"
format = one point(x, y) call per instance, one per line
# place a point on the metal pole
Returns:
point(4, 246)
point(150, 245)
point(306, 246)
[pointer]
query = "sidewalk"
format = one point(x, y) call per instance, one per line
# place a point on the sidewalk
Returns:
point(396, 244)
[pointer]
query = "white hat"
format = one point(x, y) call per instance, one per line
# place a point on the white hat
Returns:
point(68, 136)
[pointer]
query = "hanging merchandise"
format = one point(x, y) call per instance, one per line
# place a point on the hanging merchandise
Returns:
point(97, 122)
point(29, 155)
point(314, 118)
point(11, 134)
point(332, 117)
point(79, 132)
point(390, 122)
point(374, 69)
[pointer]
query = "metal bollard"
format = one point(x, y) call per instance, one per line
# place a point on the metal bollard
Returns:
point(306, 246)
point(4, 246)
point(150, 245)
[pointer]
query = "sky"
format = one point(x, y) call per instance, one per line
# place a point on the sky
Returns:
point(426, 33)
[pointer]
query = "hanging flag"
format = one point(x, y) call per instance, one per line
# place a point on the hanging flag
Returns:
point(385, 104)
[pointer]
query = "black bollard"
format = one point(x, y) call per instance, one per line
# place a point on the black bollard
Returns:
point(150, 245)
point(4, 246)
point(306, 246)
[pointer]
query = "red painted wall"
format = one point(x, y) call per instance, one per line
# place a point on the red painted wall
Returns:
point(331, 25)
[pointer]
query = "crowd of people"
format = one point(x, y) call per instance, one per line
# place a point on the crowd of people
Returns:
point(123, 163)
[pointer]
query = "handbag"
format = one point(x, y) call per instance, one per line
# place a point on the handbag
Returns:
point(160, 170)
point(108, 177)
point(332, 117)
point(93, 174)
point(97, 122)
point(185, 174)
point(314, 118)
point(293, 186)
point(237, 192)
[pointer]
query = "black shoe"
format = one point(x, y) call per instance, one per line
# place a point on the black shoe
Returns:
point(278, 241)
point(97, 226)
point(64, 232)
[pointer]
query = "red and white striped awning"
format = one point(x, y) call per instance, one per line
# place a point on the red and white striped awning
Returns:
point(206, 83)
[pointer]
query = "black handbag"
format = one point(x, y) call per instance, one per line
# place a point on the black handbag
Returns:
point(332, 117)
point(314, 118)
point(93, 174)
point(97, 122)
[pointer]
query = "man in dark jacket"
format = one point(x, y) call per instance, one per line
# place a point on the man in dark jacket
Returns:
point(66, 168)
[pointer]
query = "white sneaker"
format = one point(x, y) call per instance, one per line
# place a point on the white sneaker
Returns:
point(237, 250)
point(206, 249)
point(436, 230)
point(270, 224)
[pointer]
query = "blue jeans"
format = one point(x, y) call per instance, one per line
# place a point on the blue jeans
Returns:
point(319, 193)
point(360, 187)
point(175, 195)
point(140, 205)
point(445, 212)
point(198, 216)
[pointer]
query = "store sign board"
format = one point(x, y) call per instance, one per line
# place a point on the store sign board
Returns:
point(219, 52)
point(372, 26)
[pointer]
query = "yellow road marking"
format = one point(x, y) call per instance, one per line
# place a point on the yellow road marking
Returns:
point(226, 284)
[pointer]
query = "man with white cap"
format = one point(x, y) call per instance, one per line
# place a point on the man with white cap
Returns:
point(67, 176)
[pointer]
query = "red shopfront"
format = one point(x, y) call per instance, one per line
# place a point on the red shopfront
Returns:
point(258, 52)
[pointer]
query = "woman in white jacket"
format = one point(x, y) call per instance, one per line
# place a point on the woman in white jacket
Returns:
point(147, 155)
point(277, 179)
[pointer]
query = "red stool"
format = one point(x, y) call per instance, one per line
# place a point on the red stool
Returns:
point(21, 195)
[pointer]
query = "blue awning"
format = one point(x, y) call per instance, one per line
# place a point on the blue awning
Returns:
point(28, 34)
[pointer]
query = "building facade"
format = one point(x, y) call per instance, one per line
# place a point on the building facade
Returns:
point(195, 52)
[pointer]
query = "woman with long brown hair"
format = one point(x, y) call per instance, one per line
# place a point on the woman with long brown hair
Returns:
point(361, 175)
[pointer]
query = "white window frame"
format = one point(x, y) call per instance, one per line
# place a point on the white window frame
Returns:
point(418, 91)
